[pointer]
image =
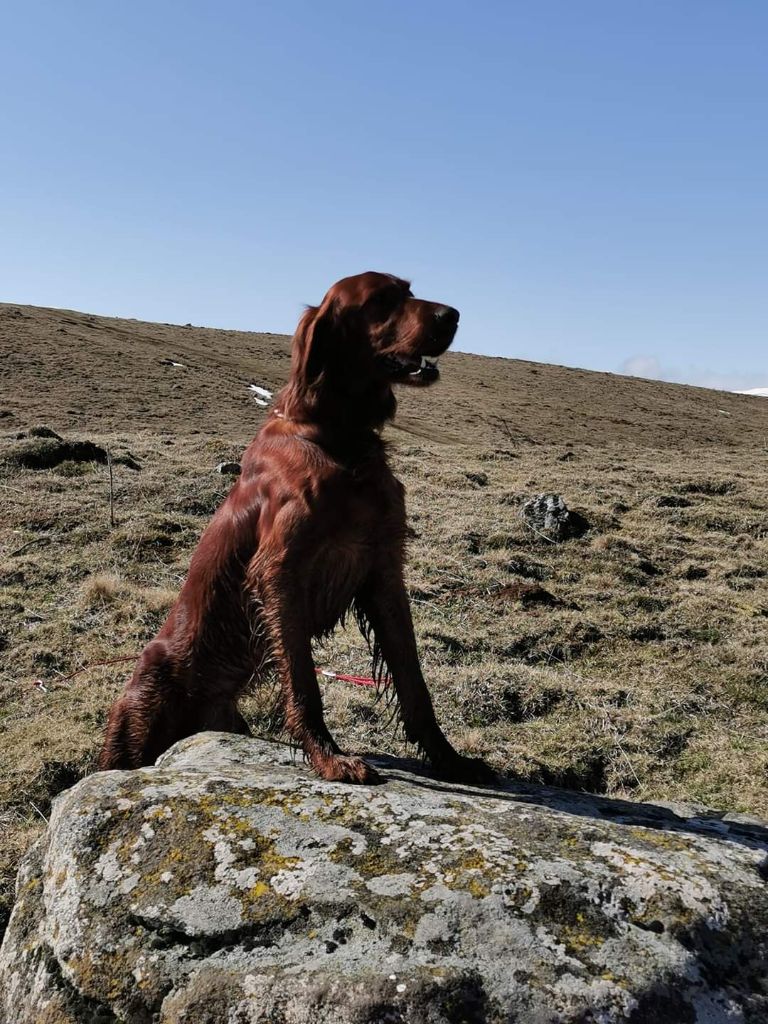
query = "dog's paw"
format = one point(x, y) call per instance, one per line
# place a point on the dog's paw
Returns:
point(344, 768)
point(469, 770)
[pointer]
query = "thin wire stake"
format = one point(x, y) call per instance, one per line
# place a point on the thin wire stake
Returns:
point(36, 808)
point(111, 490)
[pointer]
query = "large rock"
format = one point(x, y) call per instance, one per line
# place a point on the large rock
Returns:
point(228, 886)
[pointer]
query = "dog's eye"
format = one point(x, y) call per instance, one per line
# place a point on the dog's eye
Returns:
point(382, 306)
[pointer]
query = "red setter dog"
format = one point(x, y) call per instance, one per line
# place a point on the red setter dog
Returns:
point(314, 527)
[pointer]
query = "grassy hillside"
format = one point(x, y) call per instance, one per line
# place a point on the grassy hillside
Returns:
point(632, 660)
point(85, 372)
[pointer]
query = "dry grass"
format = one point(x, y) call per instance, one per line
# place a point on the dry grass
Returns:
point(648, 677)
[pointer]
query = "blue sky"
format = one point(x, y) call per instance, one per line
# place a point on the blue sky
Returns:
point(587, 181)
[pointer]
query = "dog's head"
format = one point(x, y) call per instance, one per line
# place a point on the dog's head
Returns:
point(370, 332)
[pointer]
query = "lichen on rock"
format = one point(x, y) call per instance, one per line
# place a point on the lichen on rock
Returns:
point(229, 884)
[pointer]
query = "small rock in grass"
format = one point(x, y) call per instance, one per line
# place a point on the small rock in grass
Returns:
point(548, 514)
point(673, 501)
point(229, 468)
point(524, 567)
point(648, 567)
point(47, 452)
point(695, 572)
point(45, 432)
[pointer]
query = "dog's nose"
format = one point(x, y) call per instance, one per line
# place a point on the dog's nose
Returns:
point(446, 315)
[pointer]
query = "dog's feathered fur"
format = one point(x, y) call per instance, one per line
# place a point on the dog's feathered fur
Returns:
point(314, 526)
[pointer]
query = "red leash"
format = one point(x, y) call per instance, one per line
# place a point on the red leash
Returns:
point(86, 668)
point(327, 673)
point(356, 680)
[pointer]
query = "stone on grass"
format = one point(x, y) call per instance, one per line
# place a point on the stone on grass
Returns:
point(549, 516)
point(44, 431)
point(229, 885)
point(45, 450)
point(526, 593)
point(229, 468)
point(673, 501)
point(695, 572)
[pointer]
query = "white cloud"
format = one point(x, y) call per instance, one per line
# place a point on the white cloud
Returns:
point(650, 366)
point(642, 366)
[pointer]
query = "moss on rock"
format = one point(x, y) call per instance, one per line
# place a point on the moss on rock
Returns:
point(227, 880)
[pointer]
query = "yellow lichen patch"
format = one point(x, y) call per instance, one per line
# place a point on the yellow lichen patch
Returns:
point(283, 799)
point(370, 863)
point(106, 977)
point(335, 810)
point(630, 858)
point(262, 903)
point(474, 860)
point(237, 825)
point(257, 891)
point(571, 841)
point(577, 939)
point(671, 912)
point(155, 813)
point(261, 900)
point(341, 852)
point(271, 862)
point(633, 860)
point(220, 803)
point(477, 887)
point(471, 872)
point(471, 882)
point(664, 840)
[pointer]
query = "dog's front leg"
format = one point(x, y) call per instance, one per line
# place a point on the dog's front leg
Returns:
point(289, 635)
point(384, 603)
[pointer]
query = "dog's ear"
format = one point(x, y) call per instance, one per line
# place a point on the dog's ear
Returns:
point(312, 350)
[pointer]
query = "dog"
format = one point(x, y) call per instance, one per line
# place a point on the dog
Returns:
point(313, 528)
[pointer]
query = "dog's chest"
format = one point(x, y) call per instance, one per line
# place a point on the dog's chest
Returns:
point(366, 527)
